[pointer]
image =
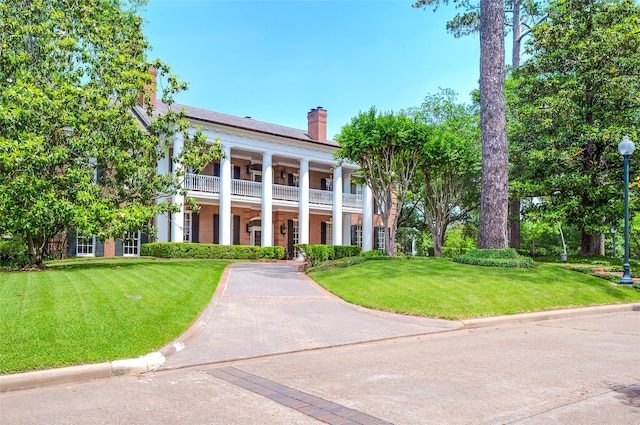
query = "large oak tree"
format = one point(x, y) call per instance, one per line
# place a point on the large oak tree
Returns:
point(73, 156)
point(578, 95)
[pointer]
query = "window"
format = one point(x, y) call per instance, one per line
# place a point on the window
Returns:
point(329, 233)
point(296, 180)
point(380, 233)
point(256, 176)
point(85, 245)
point(296, 231)
point(186, 227)
point(356, 235)
point(131, 244)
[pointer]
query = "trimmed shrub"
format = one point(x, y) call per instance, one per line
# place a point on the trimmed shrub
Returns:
point(211, 251)
point(344, 251)
point(13, 253)
point(337, 264)
point(507, 257)
point(375, 253)
point(318, 253)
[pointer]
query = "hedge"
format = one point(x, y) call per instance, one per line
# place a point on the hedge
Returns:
point(211, 251)
point(507, 257)
point(318, 253)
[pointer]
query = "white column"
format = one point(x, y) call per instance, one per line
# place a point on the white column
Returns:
point(337, 206)
point(367, 220)
point(267, 200)
point(224, 215)
point(303, 203)
point(346, 218)
point(177, 218)
point(162, 220)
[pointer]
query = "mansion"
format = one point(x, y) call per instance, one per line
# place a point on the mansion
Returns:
point(275, 186)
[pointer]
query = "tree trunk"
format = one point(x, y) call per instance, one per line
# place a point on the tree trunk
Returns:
point(492, 227)
point(437, 237)
point(592, 245)
point(35, 252)
point(514, 203)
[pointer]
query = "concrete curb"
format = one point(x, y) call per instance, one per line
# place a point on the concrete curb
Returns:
point(547, 315)
point(73, 374)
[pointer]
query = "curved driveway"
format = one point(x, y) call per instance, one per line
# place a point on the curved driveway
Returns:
point(270, 308)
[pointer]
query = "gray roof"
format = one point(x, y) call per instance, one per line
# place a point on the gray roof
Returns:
point(245, 123)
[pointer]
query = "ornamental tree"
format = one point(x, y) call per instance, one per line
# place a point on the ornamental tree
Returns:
point(386, 147)
point(73, 155)
point(447, 186)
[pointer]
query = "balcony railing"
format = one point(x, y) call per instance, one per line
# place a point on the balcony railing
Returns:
point(250, 189)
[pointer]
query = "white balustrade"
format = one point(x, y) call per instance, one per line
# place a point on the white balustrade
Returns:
point(211, 184)
point(320, 197)
point(202, 183)
point(352, 201)
point(286, 193)
point(246, 188)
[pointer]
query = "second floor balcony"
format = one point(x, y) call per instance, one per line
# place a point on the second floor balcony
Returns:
point(209, 187)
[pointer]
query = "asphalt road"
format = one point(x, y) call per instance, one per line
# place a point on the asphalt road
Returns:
point(580, 370)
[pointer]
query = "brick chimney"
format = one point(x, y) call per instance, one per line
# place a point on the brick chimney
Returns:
point(150, 88)
point(317, 119)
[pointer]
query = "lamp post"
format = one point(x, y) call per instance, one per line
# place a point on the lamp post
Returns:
point(626, 148)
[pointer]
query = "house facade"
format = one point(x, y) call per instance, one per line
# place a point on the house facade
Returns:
point(275, 185)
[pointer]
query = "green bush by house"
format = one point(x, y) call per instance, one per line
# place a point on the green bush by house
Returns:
point(507, 257)
point(318, 253)
point(211, 251)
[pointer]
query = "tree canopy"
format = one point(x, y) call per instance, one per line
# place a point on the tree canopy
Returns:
point(447, 187)
point(576, 97)
point(386, 147)
point(73, 155)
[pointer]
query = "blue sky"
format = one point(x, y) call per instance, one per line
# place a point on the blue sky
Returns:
point(275, 60)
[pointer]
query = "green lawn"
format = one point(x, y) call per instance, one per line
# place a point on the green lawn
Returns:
point(441, 288)
point(82, 312)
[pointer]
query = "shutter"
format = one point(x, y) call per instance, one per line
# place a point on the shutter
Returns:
point(353, 235)
point(290, 180)
point(71, 244)
point(144, 238)
point(216, 228)
point(236, 230)
point(323, 184)
point(236, 172)
point(171, 160)
point(216, 169)
point(119, 249)
point(291, 249)
point(323, 233)
point(99, 248)
point(375, 239)
point(195, 227)
point(353, 188)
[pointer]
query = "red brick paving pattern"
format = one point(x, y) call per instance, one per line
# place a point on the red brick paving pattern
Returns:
point(316, 407)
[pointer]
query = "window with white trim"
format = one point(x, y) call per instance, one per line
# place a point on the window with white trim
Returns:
point(380, 233)
point(131, 244)
point(296, 231)
point(329, 233)
point(85, 245)
point(357, 240)
point(186, 226)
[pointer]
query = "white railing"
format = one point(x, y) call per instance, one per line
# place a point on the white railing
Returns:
point(351, 200)
point(246, 188)
point(286, 193)
point(202, 183)
point(211, 184)
point(320, 197)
